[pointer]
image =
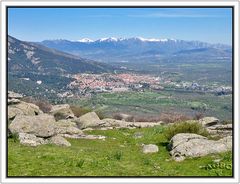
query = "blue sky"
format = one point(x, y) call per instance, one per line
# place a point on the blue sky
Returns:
point(213, 25)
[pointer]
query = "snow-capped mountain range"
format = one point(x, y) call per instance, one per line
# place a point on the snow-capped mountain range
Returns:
point(113, 39)
point(113, 49)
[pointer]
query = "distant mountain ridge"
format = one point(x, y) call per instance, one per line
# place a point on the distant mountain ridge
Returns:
point(31, 57)
point(118, 49)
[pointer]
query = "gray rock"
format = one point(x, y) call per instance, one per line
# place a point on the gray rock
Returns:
point(92, 137)
point(220, 130)
point(144, 124)
point(108, 122)
point(221, 127)
point(60, 141)
point(105, 128)
point(13, 101)
point(88, 129)
point(208, 121)
point(62, 111)
point(24, 108)
point(13, 95)
point(89, 120)
point(67, 127)
point(125, 117)
point(40, 126)
point(217, 160)
point(13, 112)
point(184, 137)
point(150, 148)
point(193, 145)
point(83, 136)
point(138, 135)
point(31, 140)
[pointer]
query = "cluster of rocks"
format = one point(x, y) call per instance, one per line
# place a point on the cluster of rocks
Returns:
point(184, 145)
point(35, 127)
point(214, 127)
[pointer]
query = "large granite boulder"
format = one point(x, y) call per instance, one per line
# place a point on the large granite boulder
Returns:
point(24, 108)
point(13, 112)
point(31, 140)
point(208, 121)
point(90, 119)
point(62, 111)
point(40, 126)
point(192, 145)
point(221, 130)
point(67, 127)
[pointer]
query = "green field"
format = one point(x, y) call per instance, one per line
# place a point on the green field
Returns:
point(119, 155)
point(153, 103)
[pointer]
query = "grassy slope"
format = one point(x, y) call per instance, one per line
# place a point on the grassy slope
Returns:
point(119, 155)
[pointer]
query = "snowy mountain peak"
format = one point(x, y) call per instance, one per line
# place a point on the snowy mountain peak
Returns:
point(155, 39)
point(114, 39)
point(85, 40)
point(110, 39)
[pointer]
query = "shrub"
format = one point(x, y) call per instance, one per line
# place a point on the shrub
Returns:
point(158, 129)
point(198, 116)
point(118, 155)
point(198, 106)
point(185, 127)
point(173, 117)
point(80, 163)
point(14, 136)
point(79, 111)
point(147, 119)
point(146, 161)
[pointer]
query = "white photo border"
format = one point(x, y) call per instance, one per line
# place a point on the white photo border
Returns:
point(3, 49)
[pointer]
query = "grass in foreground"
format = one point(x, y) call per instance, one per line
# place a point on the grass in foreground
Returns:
point(119, 155)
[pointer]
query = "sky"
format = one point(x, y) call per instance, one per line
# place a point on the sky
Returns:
point(212, 25)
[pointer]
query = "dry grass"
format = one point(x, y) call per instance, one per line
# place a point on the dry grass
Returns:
point(173, 117)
